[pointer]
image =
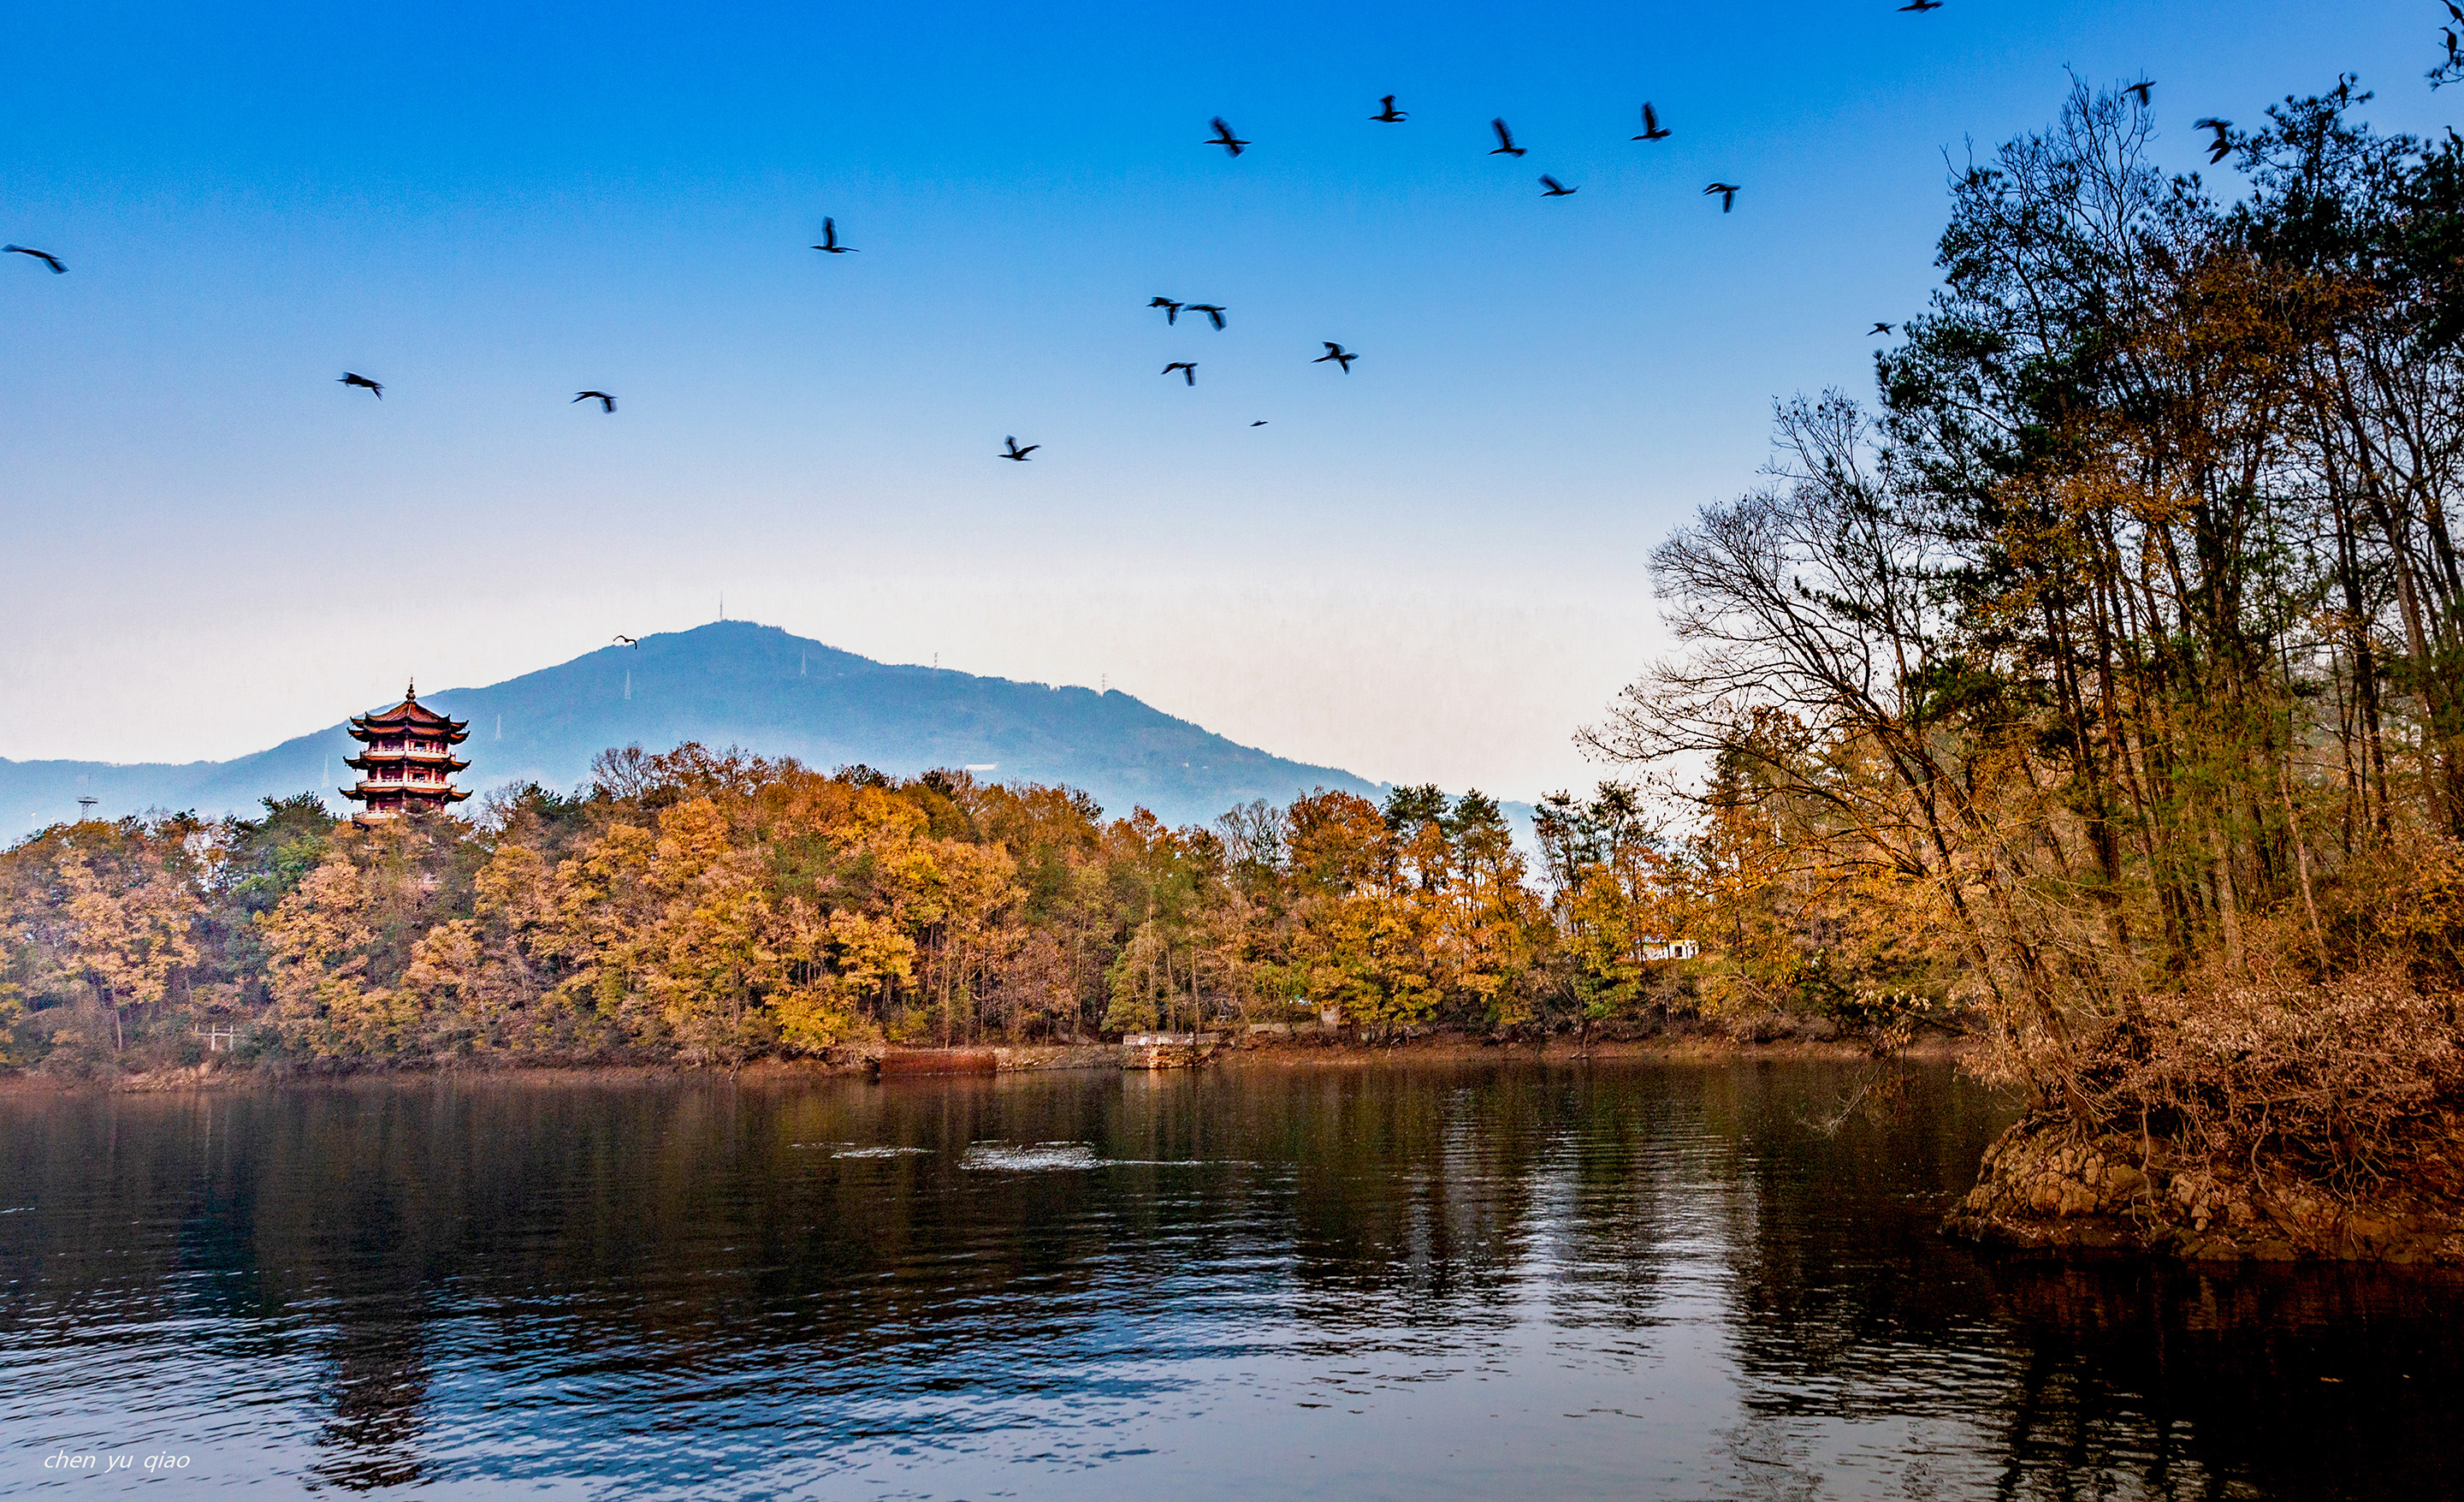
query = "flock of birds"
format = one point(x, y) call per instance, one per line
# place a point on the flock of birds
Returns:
point(1388, 114)
point(1233, 144)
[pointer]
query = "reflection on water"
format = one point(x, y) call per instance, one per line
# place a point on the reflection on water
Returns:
point(1475, 1282)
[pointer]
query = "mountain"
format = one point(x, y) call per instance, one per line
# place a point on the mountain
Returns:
point(736, 683)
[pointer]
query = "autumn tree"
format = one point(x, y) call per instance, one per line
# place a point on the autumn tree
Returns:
point(107, 913)
point(2109, 673)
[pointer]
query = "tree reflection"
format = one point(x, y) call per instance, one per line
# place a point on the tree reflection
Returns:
point(378, 1385)
point(2107, 1377)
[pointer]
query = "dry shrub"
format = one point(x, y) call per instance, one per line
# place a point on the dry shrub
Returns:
point(2334, 1080)
point(2402, 900)
point(2331, 1053)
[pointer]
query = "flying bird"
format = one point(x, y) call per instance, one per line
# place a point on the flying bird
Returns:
point(1727, 192)
point(354, 378)
point(1170, 309)
point(1506, 146)
point(1017, 453)
point(45, 257)
point(630, 642)
point(1558, 190)
point(830, 240)
point(2222, 146)
point(1260, 423)
point(607, 403)
point(1922, 5)
point(1390, 115)
point(1652, 129)
point(1225, 138)
point(1336, 353)
point(1883, 328)
point(2141, 89)
point(1212, 312)
point(1188, 371)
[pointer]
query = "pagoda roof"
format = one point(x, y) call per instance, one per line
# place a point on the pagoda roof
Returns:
point(409, 714)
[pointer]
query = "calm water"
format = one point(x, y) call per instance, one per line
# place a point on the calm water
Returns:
point(1477, 1282)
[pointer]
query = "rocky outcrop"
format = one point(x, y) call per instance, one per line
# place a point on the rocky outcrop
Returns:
point(2045, 1186)
point(1168, 1051)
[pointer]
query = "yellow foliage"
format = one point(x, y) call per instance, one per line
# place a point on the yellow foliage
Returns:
point(129, 934)
point(317, 940)
point(872, 956)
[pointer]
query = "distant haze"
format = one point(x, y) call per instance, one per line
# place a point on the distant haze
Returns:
point(736, 683)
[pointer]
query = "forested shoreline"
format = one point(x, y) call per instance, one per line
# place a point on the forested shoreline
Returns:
point(714, 907)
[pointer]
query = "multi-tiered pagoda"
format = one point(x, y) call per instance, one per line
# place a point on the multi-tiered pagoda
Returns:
point(408, 765)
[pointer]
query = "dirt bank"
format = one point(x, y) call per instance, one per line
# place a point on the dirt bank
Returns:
point(2047, 1189)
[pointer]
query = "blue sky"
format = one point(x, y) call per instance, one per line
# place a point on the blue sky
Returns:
point(1429, 569)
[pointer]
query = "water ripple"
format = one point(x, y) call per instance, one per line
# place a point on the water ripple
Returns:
point(1458, 1283)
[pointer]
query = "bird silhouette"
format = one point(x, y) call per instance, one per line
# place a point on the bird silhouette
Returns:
point(830, 240)
point(2222, 146)
point(1188, 371)
point(1213, 314)
point(1922, 5)
point(607, 403)
point(2141, 89)
point(1390, 115)
point(1883, 328)
point(1017, 453)
point(1336, 353)
point(1170, 309)
point(1225, 138)
point(2456, 11)
point(630, 642)
point(1652, 129)
point(1260, 423)
point(1506, 146)
point(1727, 192)
point(1558, 190)
point(45, 257)
point(354, 378)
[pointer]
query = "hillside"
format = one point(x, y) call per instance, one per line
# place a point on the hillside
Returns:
point(734, 682)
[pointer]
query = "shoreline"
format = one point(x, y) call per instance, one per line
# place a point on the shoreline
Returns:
point(878, 1061)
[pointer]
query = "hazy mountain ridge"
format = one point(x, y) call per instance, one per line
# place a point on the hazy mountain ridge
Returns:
point(735, 682)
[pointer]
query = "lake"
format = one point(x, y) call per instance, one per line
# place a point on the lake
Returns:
point(1445, 1281)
